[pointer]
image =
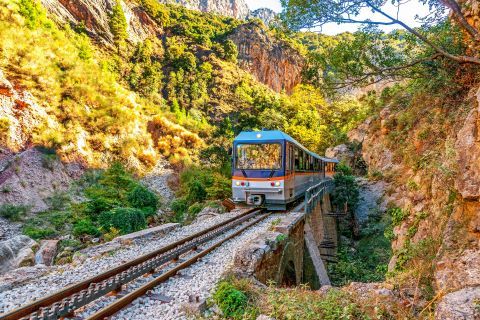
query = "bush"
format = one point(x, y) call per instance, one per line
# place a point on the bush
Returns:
point(230, 300)
point(142, 198)
point(58, 201)
point(346, 191)
point(126, 220)
point(85, 227)
point(13, 212)
point(38, 233)
point(179, 206)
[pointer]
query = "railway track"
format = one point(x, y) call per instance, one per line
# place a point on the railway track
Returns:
point(157, 267)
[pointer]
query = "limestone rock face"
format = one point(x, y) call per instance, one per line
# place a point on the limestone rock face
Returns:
point(461, 304)
point(232, 8)
point(94, 14)
point(467, 148)
point(267, 15)
point(273, 62)
point(341, 152)
point(16, 252)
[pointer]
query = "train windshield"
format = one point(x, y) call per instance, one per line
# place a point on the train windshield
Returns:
point(266, 156)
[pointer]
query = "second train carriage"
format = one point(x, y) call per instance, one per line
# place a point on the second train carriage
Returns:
point(272, 169)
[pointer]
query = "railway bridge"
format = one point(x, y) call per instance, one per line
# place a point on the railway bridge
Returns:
point(298, 246)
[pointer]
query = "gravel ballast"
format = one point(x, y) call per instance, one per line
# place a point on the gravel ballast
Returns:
point(204, 274)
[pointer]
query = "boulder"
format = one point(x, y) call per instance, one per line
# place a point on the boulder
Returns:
point(47, 252)
point(461, 304)
point(17, 252)
point(341, 152)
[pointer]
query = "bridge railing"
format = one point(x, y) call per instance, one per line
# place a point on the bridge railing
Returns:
point(314, 194)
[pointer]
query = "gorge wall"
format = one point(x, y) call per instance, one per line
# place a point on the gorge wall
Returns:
point(271, 61)
point(435, 181)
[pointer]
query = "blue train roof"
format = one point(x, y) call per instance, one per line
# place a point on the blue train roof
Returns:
point(253, 136)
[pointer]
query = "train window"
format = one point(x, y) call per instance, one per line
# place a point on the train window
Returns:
point(288, 162)
point(301, 159)
point(297, 160)
point(266, 156)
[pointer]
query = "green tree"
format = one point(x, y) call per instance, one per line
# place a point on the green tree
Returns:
point(372, 55)
point(230, 51)
point(118, 25)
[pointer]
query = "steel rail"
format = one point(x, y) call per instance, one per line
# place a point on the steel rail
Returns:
point(65, 301)
point(124, 301)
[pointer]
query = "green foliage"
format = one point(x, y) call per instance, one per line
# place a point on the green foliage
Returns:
point(118, 24)
point(126, 220)
point(49, 223)
point(346, 191)
point(142, 198)
point(230, 300)
point(365, 259)
point(344, 169)
point(305, 304)
point(230, 51)
point(58, 201)
point(38, 233)
point(85, 227)
point(197, 185)
point(32, 11)
point(14, 212)
point(397, 215)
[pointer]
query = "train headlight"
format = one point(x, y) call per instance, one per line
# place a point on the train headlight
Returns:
point(277, 183)
point(237, 183)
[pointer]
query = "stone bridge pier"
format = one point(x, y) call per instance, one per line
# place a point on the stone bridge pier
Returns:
point(295, 250)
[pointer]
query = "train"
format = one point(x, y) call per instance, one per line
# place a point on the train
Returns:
point(271, 169)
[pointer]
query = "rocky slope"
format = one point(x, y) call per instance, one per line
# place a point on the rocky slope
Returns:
point(94, 14)
point(435, 181)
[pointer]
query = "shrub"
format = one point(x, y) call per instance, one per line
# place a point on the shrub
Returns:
point(397, 215)
point(179, 206)
point(127, 220)
point(230, 300)
point(4, 125)
point(13, 212)
point(32, 12)
point(58, 201)
point(85, 227)
point(38, 233)
point(142, 198)
point(346, 191)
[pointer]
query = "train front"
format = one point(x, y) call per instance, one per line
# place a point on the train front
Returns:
point(258, 169)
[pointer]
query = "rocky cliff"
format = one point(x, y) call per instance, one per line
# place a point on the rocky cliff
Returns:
point(271, 61)
point(94, 15)
point(435, 183)
point(233, 8)
point(267, 15)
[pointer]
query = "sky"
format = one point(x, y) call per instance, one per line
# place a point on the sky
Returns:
point(407, 14)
